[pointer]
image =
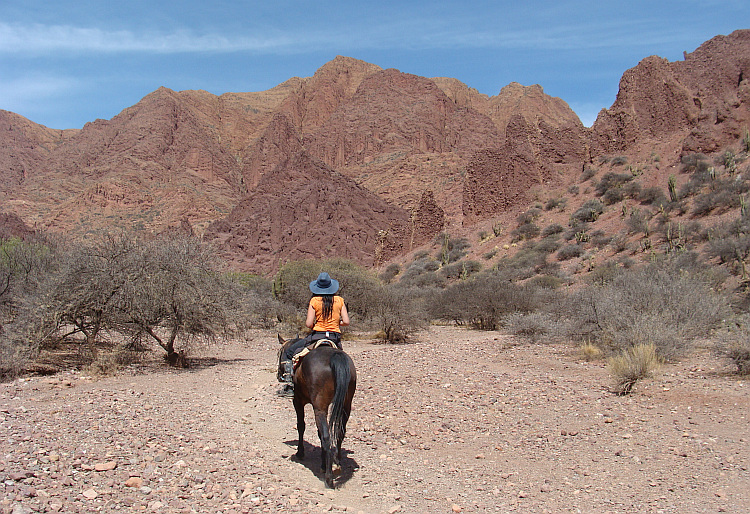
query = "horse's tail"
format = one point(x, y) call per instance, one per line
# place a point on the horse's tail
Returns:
point(342, 375)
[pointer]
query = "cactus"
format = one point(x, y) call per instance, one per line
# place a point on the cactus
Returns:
point(672, 185)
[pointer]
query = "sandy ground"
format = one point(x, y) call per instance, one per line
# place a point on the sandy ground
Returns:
point(460, 421)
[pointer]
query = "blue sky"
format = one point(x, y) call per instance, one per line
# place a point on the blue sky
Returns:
point(64, 63)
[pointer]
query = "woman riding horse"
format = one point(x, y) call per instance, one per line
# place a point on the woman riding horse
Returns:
point(326, 314)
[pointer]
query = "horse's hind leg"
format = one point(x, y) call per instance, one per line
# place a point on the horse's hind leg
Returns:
point(300, 410)
point(337, 452)
point(325, 446)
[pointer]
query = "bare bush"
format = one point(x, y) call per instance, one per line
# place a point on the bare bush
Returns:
point(668, 304)
point(165, 289)
point(537, 326)
point(482, 301)
point(734, 345)
point(398, 312)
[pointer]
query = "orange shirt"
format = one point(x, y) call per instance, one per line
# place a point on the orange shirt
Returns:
point(331, 324)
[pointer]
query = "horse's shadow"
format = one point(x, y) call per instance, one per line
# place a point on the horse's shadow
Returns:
point(313, 458)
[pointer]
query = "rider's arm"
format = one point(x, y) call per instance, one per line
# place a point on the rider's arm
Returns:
point(310, 322)
point(344, 321)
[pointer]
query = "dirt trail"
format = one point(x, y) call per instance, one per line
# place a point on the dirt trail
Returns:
point(436, 427)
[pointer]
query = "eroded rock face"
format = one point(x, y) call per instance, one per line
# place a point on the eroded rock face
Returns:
point(703, 99)
point(303, 210)
point(393, 115)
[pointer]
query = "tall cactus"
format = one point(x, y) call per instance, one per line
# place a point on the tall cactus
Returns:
point(672, 185)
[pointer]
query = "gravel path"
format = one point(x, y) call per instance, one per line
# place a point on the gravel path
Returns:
point(461, 421)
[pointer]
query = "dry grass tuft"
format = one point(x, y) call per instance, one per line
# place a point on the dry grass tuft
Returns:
point(591, 352)
point(631, 365)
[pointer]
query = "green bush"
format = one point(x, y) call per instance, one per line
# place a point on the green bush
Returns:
point(292, 283)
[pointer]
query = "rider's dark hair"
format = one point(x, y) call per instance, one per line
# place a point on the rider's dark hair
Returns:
point(327, 305)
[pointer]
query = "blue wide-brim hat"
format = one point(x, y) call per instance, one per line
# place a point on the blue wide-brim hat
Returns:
point(324, 284)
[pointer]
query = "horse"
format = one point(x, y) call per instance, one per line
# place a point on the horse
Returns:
point(325, 377)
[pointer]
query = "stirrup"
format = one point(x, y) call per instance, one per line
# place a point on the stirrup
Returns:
point(288, 370)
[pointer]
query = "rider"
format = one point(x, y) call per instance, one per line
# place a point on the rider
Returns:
point(326, 314)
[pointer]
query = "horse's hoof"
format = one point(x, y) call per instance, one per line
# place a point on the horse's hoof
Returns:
point(336, 469)
point(329, 483)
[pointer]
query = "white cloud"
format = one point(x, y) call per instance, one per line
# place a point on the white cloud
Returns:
point(419, 34)
point(51, 38)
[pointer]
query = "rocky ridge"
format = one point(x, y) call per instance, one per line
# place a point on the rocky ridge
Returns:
point(192, 156)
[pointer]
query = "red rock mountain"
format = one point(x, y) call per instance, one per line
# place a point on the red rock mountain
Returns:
point(402, 156)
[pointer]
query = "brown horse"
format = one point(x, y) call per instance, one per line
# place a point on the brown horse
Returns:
point(325, 377)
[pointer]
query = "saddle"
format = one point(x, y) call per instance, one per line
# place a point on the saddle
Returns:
point(315, 344)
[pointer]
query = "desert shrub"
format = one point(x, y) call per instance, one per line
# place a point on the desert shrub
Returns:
point(490, 255)
point(481, 301)
point(554, 228)
point(389, 273)
point(613, 196)
point(574, 189)
point(612, 180)
point(722, 201)
point(526, 231)
point(549, 244)
point(460, 270)
point(398, 312)
point(652, 196)
point(587, 173)
point(731, 244)
point(522, 264)
point(619, 160)
point(164, 289)
point(575, 231)
point(556, 203)
point(591, 352)
point(668, 303)
point(545, 281)
point(632, 189)
point(604, 274)
point(600, 239)
point(619, 243)
point(538, 326)
point(589, 211)
point(631, 365)
point(734, 345)
point(637, 222)
point(695, 162)
point(568, 252)
point(451, 249)
point(529, 216)
point(424, 280)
